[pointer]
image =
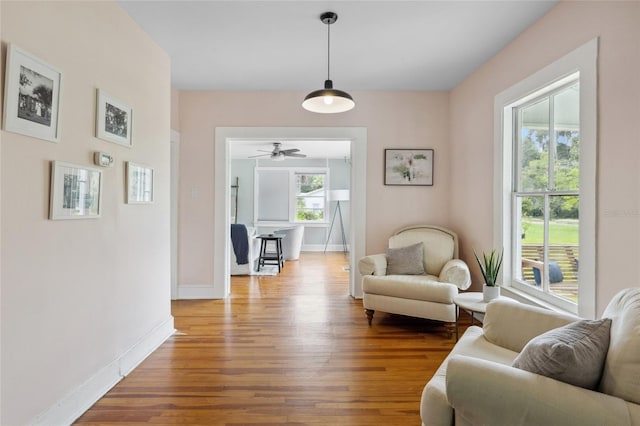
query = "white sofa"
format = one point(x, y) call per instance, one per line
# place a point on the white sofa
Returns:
point(427, 296)
point(476, 384)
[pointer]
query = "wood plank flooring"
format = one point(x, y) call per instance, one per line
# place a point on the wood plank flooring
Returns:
point(294, 349)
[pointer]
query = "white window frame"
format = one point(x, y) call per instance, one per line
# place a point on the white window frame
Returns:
point(294, 196)
point(293, 171)
point(582, 60)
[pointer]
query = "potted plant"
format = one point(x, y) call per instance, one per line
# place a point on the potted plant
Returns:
point(490, 268)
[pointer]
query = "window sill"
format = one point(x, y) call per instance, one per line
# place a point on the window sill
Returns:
point(523, 297)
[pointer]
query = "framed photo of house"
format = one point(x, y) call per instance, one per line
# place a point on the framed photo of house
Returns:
point(114, 120)
point(76, 191)
point(408, 167)
point(139, 183)
point(31, 96)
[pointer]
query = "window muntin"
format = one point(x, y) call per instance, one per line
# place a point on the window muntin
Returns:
point(546, 194)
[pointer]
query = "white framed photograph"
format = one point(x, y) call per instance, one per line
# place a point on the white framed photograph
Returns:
point(76, 191)
point(31, 96)
point(114, 119)
point(139, 183)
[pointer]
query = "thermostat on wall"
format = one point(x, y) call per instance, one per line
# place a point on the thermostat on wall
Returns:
point(102, 159)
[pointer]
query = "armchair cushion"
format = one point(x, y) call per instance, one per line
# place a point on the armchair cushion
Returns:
point(406, 260)
point(573, 354)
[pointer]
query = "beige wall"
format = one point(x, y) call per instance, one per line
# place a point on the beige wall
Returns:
point(175, 110)
point(563, 29)
point(392, 119)
point(78, 294)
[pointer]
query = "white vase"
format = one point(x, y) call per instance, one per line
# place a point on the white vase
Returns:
point(489, 293)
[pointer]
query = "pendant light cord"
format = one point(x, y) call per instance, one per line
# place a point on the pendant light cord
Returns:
point(328, 51)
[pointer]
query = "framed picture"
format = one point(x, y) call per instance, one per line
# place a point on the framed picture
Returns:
point(31, 96)
point(114, 120)
point(76, 191)
point(408, 167)
point(139, 183)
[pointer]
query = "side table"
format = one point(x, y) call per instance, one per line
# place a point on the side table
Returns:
point(471, 302)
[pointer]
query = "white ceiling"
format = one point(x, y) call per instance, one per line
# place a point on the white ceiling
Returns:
point(375, 45)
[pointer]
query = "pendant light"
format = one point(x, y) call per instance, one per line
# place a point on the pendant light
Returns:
point(328, 100)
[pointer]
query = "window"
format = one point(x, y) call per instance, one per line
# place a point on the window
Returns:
point(546, 183)
point(546, 192)
point(291, 194)
point(310, 197)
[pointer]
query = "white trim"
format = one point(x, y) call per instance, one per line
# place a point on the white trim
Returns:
point(584, 59)
point(357, 238)
point(175, 188)
point(320, 248)
point(79, 400)
point(195, 291)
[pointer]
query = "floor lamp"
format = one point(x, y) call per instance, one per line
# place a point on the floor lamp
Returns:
point(338, 195)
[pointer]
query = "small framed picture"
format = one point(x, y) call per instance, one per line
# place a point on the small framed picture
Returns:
point(408, 167)
point(32, 96)
point(76, 191)
point(114, 120)
point(139, 183)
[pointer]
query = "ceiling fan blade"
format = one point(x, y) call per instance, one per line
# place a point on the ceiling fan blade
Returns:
point(261, 155)
point(290, 154)
point(287, 151)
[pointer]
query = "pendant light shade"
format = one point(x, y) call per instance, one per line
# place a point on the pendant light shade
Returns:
point(328, 100)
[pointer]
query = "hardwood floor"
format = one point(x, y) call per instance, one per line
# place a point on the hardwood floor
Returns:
point(292, 349)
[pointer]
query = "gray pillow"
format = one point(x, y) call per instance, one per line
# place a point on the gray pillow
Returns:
point(406, 260)
point(573, 354)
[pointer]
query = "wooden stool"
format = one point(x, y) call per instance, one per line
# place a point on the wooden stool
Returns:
point(271, 258)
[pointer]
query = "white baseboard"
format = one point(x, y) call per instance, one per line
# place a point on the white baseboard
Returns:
point(320, 247)
point(198, 292)
point(73, 405)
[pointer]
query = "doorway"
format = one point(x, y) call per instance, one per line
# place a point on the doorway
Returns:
point(224, 136)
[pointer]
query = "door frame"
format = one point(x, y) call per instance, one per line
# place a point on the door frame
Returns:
point(222, 191)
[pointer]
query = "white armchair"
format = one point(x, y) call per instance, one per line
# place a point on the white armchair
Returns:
point(428, 295)
point(476, 384)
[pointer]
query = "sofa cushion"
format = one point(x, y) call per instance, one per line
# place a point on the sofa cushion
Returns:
point(621, 373)
point(574, 353)
point(416, 287)
point(405, 260)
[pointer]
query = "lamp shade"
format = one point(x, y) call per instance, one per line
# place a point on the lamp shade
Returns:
point(328, 100)
point(339, 195)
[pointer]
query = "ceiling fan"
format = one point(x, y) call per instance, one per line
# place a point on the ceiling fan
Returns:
point(278, 154)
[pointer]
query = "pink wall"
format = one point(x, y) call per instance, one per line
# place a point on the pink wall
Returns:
point(392, 119)
point(78, 294)
point(567, 26)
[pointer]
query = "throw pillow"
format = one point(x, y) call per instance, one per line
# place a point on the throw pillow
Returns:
point(406, 260)
point(574, 354)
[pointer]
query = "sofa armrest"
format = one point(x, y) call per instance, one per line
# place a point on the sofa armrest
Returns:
point(511, 325)
point(457, 273)
point(374, 264)
point(487, 393)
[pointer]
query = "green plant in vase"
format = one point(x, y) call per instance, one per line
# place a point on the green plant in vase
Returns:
point(490, 267)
